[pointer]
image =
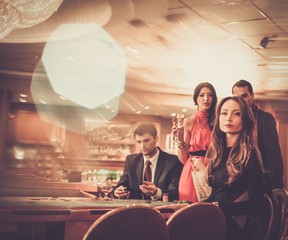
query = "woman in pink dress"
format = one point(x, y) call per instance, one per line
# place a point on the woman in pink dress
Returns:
point(193, 139)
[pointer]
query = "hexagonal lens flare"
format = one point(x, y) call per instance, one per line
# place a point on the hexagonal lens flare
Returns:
point(84, 64)
point(54, 108)
point(81, 76)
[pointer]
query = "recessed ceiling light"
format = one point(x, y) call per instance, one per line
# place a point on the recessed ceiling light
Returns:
point(70, 58)
point(63, 98)
point(132, 49)
point(137, 23)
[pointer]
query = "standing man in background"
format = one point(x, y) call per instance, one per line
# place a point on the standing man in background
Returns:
point(268, 143)
point(164, 169)
point(268, 139)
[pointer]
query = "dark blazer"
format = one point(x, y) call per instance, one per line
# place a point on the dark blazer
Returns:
point(167, 174)
point(268, 143)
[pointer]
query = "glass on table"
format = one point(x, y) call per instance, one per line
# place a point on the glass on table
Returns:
point(106, 188)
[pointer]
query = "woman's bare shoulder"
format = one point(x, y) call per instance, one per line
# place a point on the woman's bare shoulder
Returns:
point(189, 121)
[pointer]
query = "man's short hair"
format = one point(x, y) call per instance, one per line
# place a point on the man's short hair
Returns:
point(243, 83)
point(146, 128)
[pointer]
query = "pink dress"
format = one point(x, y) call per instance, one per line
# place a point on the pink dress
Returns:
point(200, 140)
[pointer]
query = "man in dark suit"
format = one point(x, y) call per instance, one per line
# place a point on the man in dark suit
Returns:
point(165, 169)
point(268, 143)
point(267, 136)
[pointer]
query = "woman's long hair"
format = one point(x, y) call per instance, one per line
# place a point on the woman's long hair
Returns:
point(211, 112)
point(242, 150)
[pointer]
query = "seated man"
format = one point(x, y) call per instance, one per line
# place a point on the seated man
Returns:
point(161, 175)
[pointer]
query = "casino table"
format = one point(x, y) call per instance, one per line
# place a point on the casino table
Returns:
point(68, 218)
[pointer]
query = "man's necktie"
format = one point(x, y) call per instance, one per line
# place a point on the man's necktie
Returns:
point(147, 173)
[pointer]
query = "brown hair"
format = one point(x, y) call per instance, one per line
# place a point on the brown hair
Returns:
point(242, 150)
point(211, 112)
point(145, 128)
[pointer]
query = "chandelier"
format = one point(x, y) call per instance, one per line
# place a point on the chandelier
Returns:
point(16, 14)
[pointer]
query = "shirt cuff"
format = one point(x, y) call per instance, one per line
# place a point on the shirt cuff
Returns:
point(158, 195)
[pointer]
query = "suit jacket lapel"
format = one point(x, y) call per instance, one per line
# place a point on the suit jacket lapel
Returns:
point(139, 169)
point(159, 167)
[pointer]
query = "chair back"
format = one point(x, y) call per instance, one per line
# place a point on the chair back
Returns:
point(201, 221)
point(169, 209)
point(129, 223)
point(260, 225)
point(280, 212)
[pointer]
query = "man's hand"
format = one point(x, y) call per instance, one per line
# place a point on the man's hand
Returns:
point(121, 192)
point(148, 188)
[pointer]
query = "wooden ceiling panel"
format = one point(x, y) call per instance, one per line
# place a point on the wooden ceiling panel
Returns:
point(273, 8)
point(269, 53)
point(282, 23)
point(193, 3)
point(228, 13)
point(240, 29)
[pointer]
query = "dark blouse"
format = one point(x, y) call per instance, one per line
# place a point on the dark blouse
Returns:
point(250, 181)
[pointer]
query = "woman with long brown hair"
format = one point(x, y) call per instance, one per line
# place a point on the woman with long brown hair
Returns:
point(235, 170)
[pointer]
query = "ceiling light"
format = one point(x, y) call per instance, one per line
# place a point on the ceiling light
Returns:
point(264, 42)
point(16, 14)
point(175, 17)
point(137, 23)
point(63, 98)
point(70, 58)
point(22, 100)
point(132, 49)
